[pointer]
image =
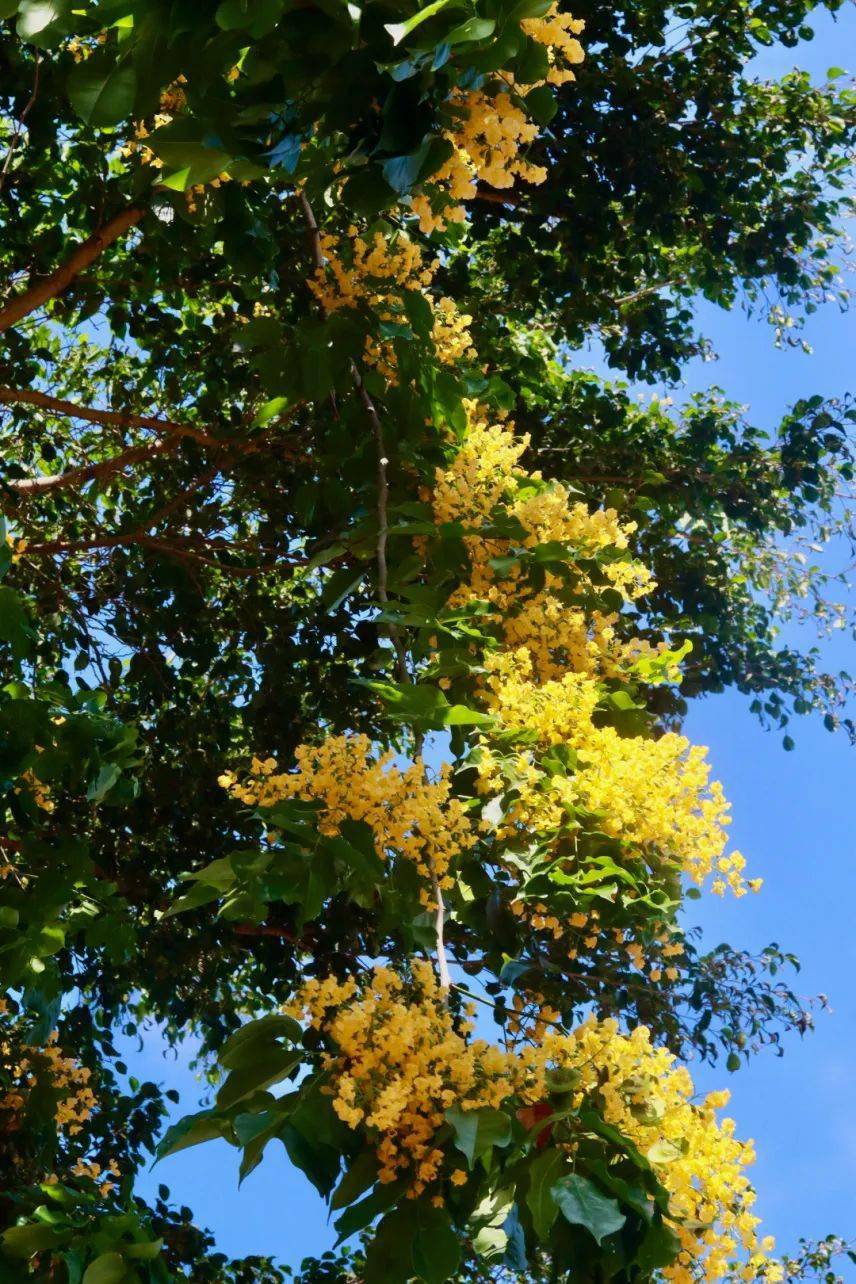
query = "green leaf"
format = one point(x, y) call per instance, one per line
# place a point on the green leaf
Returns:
point(398, 30)
point(256, 16)
point(404, 172)
point(541, 104)
point(199, 894)
point(367, 192)
point(103, 782)
point(24, 1241)
point(271, 1066)
point(38, 20)
point(436, 1249)
point(663, 1152)
point(472, 30)
point(316, 1159)
point(14, 625)
point(478, 1131)
point(360, 1176)
point(193, 157)
point(109, 1268)
point(240, 1048)
point(582, 1204)
point(659, 1248)
point(192, 1130)
point(362, 1214)
point(144, 1252)
point(544, 1172)
point(8, 9)
point(102, 91)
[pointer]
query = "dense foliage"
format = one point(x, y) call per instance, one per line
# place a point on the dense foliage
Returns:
point(347, 627)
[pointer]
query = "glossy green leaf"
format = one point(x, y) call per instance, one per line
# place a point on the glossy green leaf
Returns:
point(108, 1268)
point(478, 1131)
point(544, 1172)
point(583, 1204)
point(102, 90)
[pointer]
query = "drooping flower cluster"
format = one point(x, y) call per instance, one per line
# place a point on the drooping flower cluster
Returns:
point(648, 1096)
point(396, 1059)
point(489, 130)
point(374, 272)
point(550, 677)
point(48, 1066)
point(484, 476)
point(410, 814)
point(397, 1062)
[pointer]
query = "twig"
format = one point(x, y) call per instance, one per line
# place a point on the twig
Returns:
point(21, 121)
point(383, 573)
point(648, 289)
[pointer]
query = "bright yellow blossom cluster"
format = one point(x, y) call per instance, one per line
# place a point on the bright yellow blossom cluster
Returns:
point(654, 795)
point(485, 475)
point(375, 272)
point(490, 131)
point(410, 814)
point(397, 1059)
point(558, 32)
point(63, 1074)
point(643, 1092)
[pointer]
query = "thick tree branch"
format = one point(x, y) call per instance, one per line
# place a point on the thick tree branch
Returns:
point(88, 472)
point(109, 418)
point(85, 254)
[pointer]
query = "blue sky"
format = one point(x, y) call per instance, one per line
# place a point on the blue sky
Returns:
point(793, 819)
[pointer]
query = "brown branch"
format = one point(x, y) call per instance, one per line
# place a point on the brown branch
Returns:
point(498, 197)
point(109, 418)
point(264, 929)
point(646, 290)
point(88, 472)
point(85, 254)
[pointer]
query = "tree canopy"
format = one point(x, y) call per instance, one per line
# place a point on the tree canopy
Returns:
point(347, 624)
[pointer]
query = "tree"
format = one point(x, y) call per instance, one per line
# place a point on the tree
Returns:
point(247, 243)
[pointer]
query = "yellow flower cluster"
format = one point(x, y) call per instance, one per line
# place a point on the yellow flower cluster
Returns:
point(490, 130)
point(654, 795)
point(92, 1171)
point(62, 1073)
point(409, 814)
point(375, 272)
point(487, 134)
point(558, 31)
point(397, 1059)
point(643, 1092)
point(485, 475)
point(37, 789)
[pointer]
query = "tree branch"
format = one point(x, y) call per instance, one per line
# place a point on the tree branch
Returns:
point(109, 418)
point(85, 254)
point(646, 290)
point(88, 472)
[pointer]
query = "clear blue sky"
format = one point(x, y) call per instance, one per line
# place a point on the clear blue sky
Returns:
point(793, 819)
